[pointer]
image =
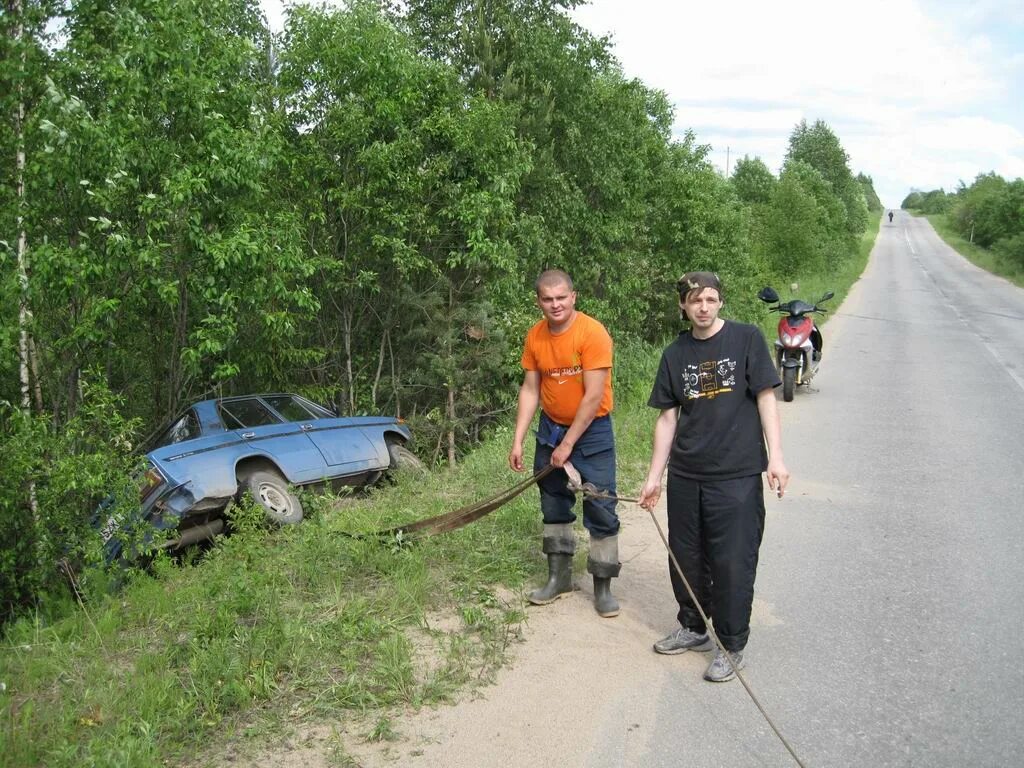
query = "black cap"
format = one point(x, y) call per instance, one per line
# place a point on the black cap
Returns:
point(696, 281)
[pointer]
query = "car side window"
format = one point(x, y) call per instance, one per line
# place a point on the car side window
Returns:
point(291, 408)
point(243, 414)
point(184, 428)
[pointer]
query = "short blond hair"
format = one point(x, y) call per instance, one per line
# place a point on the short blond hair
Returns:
point(552, 277)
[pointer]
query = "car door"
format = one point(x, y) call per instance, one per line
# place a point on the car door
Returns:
point(285, 442)
point(344, 446)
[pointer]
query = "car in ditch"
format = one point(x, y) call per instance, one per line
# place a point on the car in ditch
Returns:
point(265, 445)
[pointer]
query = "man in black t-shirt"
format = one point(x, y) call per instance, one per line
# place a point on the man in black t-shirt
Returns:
point(715, 388)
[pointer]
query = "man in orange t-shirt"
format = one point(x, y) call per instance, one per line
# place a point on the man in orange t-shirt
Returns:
point(567, 358)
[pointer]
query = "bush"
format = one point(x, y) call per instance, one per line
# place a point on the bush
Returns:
point(1012, 249)
point(54, 479)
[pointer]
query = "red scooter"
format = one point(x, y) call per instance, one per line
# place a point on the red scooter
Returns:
point(798, 347)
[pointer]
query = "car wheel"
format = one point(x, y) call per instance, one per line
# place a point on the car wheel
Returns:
point(270, 491)
point(404, 461)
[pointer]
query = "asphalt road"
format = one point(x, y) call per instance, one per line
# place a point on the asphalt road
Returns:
point(896, 573)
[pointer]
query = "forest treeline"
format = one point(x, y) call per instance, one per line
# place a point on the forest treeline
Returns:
point(989, 212)
point(354, 209)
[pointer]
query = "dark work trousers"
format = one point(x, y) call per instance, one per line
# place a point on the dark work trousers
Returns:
point(714, 530)
point(594, 457)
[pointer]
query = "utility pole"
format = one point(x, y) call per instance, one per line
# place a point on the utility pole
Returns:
point(727, 162)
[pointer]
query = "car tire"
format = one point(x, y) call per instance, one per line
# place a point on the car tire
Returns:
point(404, 461)
point(271, 492)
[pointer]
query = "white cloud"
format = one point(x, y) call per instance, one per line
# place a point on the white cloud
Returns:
point(274, 11)
point(786, 51)
point(745, 119)
point(916, 93)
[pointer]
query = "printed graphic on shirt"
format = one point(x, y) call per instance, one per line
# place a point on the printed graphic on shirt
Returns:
point(709, 379)
point(576, 369)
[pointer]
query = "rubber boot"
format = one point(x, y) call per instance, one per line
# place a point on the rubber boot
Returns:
point(559, 545)
point(604, 601)
point(603, 563)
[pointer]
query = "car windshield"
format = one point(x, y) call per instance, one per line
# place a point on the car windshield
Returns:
point(184, 428)
point(296, 409)
point(245, 413)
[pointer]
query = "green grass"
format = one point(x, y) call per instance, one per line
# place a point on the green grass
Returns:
point(310, 623)
point(303, 622)
point(980, 257)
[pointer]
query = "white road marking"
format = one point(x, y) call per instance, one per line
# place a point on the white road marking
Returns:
point(906, 236)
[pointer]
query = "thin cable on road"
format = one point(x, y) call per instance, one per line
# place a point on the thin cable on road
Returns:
point(588, 489)
point(465, 515)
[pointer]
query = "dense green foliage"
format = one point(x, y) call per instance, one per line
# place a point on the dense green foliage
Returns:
point(867, 186)
point(936, 201)
point(753, 182)
point(819, 147)
point(811, 217)
point(354, 209)
point(988, 213)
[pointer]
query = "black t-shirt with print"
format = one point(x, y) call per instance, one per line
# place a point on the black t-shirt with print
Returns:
point(714, 383)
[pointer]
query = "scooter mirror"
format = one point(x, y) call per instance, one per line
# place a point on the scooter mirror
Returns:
point(828, 295)
point(768, 294)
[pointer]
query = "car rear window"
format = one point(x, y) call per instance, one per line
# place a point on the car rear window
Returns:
point(184, 428)
point(243, 414)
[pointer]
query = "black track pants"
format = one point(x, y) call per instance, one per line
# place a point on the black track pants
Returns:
point(715, 530)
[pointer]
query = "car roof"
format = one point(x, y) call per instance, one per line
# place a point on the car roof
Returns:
point(206, 410)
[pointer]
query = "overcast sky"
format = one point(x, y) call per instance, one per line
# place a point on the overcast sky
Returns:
point(921, 93)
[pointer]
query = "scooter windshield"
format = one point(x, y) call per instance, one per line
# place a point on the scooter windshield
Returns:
point(797, 307)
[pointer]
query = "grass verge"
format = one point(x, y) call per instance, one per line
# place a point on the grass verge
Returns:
point(980, 257)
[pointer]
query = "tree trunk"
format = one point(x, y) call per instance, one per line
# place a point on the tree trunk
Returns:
point(451, 425)
point(37, 384)
point(346, 319)
point(394, 381)
point(24, 314)
point(25, 342)
point(177, 377)
point(380, 368)
point(437, 448)
point(451, 379)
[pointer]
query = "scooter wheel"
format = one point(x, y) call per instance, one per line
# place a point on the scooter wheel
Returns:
point(788, 383)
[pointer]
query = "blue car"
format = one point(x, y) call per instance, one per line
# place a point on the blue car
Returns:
point(217, 450)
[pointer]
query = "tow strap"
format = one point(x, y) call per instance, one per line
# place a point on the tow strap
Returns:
point(464, 515)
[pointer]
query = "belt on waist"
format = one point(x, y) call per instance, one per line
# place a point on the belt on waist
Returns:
point(566, 426)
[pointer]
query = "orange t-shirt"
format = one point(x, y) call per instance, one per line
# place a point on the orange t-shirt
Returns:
point(561, 360)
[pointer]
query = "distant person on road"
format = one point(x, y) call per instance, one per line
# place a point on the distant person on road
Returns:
point(715, 389)
point(890, 217)
point(567, 359)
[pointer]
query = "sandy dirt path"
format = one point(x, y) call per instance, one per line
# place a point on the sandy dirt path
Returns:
point(578, 690)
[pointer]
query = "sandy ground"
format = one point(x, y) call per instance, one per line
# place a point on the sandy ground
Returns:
point(573, 677)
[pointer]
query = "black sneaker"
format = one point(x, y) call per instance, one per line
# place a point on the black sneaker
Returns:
point(683, 640)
